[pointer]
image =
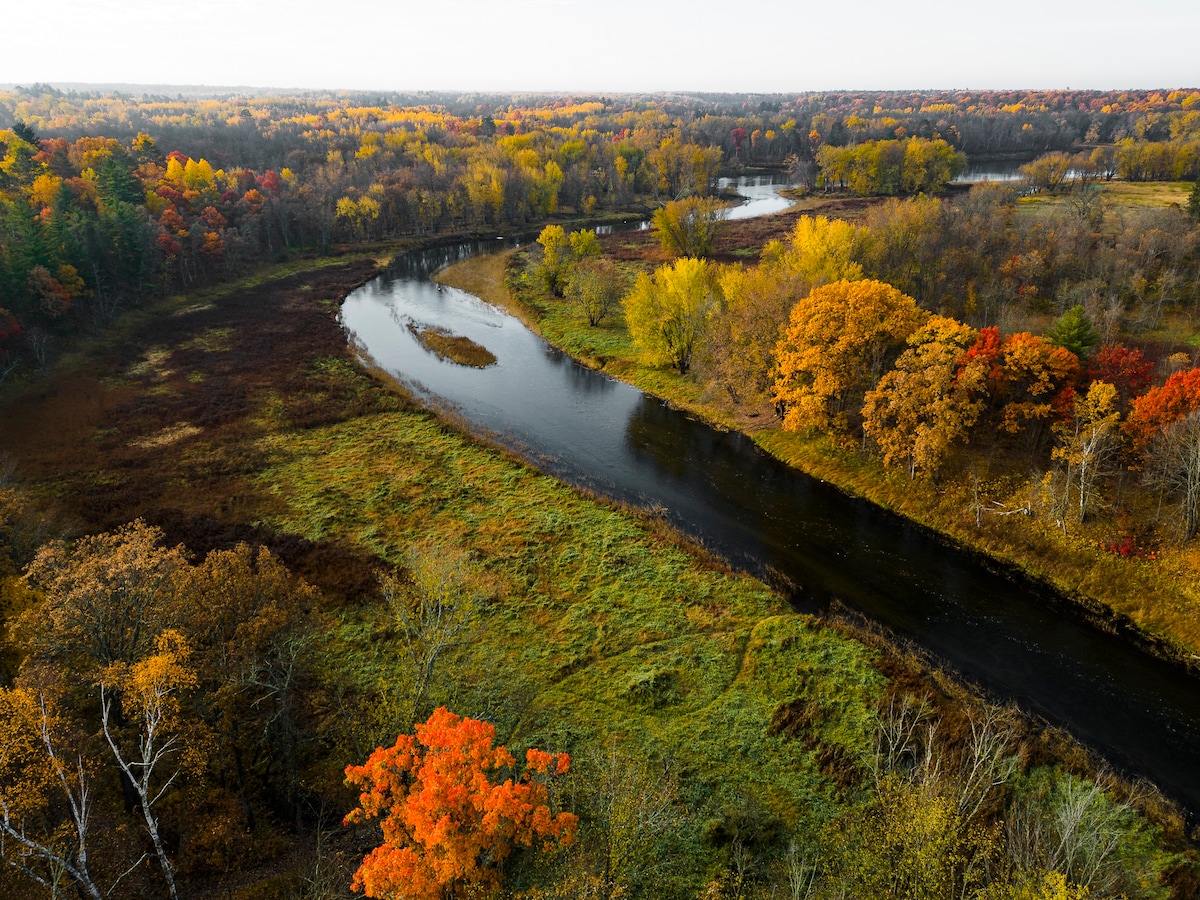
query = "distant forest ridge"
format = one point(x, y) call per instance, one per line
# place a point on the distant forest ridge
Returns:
point(108, 197)
point(975, 121)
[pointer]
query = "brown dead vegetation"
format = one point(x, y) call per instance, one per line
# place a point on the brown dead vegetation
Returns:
point(105, 438)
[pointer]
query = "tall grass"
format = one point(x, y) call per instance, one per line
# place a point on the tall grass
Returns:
point(597, 631)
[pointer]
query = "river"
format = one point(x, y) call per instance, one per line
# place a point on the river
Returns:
point(1019, 641)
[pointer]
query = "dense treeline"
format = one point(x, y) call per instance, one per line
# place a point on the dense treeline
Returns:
point(747, 128)
point(106, 198)
point(90, 224)
point(910, 332)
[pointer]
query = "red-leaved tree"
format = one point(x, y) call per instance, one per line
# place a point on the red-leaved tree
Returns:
point(1162, 406)
point(451, 811)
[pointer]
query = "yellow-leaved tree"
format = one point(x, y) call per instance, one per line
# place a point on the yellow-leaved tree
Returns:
point(689, 227)
point(667, 312)
point(745, 329)
point(928, 401)
point(823, 250)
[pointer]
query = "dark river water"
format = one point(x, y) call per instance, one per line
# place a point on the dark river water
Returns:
point(1013, 638)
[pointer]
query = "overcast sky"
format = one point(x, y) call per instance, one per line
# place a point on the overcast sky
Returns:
point(610, 46)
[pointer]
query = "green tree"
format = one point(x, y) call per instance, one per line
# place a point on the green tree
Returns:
point(1074, 331)
point(1194, 201)
point(434, 605)
point(596, 286)
point(667, 312)
point(689, 227)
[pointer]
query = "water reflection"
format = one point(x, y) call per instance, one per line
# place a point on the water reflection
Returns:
point(761, 193)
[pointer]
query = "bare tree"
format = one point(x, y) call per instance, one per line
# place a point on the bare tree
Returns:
point(24, 851)
point(1174, 466)
point(434, 604)
point(987, 762)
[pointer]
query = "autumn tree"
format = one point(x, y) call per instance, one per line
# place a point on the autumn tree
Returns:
point(746, 325)
point(1062, 829)
point(689, 227)
point(1124, 368)
point(434, 602)
point(107, 596)
point(840, 340)
point(908, 842)
point(890, 167)
point(1048, 172)
point(1030, 382)
point(1164, 427)
point(905, 245)
point(451, 810)
point(596, 286)
point(821, 250)
point(555, 258)
point(927, 402)
point(248, 620)
point(150, 689)
point(1159, 407)
point(560, 252)
point(918, 834)
point(667, 312)
point(45, 840)
point(1087, 443)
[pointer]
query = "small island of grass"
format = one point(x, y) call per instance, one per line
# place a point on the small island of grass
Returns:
point(454, 347)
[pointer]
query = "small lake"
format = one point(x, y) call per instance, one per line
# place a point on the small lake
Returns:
point(760, 195)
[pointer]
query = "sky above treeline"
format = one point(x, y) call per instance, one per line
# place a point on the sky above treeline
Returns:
point(583, 46)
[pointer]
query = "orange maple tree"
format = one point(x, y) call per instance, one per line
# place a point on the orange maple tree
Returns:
point(448, 820)
point(1159, 407)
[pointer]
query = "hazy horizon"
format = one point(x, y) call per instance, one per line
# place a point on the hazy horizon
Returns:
point(563, 46)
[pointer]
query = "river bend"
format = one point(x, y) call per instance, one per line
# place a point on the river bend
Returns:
point(1019, 641)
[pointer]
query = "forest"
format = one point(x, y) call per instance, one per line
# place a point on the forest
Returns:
point(270, 629)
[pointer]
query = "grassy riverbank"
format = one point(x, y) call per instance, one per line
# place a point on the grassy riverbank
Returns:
point(711, 728)
point(243, 416)
point(1153, 598)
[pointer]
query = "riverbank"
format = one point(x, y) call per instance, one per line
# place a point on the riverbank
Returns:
point(1152, 601)
point(242, 415)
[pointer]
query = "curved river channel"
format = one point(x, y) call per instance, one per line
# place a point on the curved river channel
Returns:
point(1014, 638)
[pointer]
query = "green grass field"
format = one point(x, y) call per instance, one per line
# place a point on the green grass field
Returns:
point(598, 630)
